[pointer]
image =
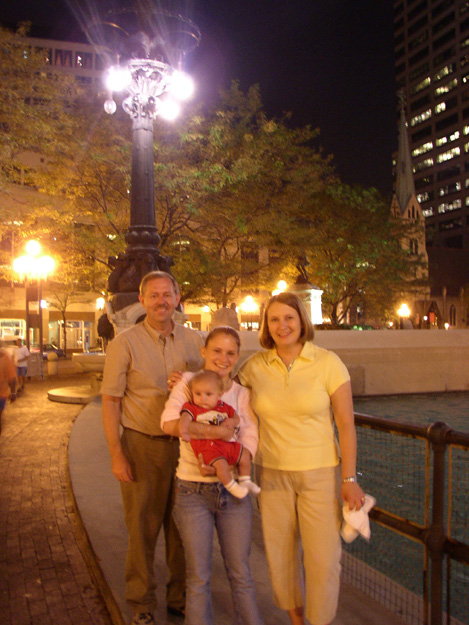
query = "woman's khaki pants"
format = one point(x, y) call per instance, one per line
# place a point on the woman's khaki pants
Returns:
point(300, 513)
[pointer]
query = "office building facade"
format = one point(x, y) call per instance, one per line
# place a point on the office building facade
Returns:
point(431, 39)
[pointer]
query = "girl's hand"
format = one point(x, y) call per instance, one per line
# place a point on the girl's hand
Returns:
point(353, 495)
point(205, 469)
point(173, 379)
point(226, 430)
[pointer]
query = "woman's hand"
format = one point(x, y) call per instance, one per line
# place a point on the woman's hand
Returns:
point(173, 379)
point(353, 495)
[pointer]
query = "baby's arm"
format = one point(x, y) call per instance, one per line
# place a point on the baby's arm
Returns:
point(236, 420)
point(184, 421)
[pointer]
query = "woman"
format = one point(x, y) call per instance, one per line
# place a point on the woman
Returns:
point(203, 504)
point(294, 384)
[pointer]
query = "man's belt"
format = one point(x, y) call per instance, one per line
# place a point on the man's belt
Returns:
point(154, 437)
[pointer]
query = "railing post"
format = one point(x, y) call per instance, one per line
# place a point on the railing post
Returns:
point(436, 536)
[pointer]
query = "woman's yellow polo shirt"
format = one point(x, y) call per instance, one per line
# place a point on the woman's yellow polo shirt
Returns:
point(293, 405)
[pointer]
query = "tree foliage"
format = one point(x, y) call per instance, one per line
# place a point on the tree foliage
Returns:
point(36, 105)
point(239, 196)
point(225, 184)
point(354, 246)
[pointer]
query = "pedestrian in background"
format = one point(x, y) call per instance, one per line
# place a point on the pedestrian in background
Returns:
point(21, 362)
point(7, 381)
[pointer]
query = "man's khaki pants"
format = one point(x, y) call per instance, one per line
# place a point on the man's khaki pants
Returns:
point(148, 503)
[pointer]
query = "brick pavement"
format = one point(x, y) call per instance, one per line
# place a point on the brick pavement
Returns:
point(44, 578)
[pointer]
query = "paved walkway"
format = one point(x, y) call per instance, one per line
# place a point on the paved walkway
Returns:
point(44, 576)
point(63, 567)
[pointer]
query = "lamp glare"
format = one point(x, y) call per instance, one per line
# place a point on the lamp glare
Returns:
point(182, 86)
point(169, 110)
point(110, 107)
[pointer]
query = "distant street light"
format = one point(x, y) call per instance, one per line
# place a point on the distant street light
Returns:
point(144, 50)
point(249, 306)
point(100, 303)
point(32, 267)
point(404, 313)
point(281, 287)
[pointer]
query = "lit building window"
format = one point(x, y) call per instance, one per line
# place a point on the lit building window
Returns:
point(449, 188)
point(449, 86)
point(444, 71)
point(439, 108)
point(418, 119)
point(427, 212)
point(423, 197)
point(446, 207)
point(421, 85)
point(428, 162)
point(447, 156)
point(63, 58)
point(443, 140)
point(426, 147)
point(84, 60)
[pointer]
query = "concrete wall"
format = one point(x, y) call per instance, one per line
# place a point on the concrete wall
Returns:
point(388, 362)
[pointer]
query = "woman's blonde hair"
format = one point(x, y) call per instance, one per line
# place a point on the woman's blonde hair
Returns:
point(292, 300)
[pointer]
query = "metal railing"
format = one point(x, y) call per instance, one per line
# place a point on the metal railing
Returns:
point(417, 562)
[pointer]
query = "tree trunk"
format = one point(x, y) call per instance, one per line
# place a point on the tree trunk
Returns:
point(64, 322)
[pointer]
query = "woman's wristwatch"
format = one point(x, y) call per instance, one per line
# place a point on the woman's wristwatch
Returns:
point(352, 478)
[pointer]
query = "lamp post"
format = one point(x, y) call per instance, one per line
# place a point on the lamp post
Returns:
point(144, 52)
point(31, 267)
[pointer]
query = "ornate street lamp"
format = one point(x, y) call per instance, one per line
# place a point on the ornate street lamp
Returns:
point(34, 267)
point(145, 51)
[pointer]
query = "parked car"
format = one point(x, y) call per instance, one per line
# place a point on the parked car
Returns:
point(47, 348)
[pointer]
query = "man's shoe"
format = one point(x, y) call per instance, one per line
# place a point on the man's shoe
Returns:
point(175, 611)
point(144, 618)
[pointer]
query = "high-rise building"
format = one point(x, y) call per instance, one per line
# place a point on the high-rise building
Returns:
point(431, 39)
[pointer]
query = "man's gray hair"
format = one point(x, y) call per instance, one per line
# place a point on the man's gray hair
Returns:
point(158, 275)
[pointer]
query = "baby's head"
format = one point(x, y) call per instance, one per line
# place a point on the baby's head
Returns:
point(206, 388)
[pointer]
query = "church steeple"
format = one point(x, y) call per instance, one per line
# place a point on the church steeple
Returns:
point(405, 186)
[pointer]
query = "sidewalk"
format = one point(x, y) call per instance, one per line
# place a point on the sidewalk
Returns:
point(63, 541)
point(44, 575)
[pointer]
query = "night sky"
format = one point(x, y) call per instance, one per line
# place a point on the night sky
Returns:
point(328, 62)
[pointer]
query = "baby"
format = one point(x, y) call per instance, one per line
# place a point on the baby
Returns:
point(207, 407)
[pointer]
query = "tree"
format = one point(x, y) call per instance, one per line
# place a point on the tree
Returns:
point(35, 105)
point(353, 244)
point(225, 180)
point(238, 196)
point(36, 113)
point(228, 181)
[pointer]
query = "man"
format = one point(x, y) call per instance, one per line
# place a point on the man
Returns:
point(7, 381)
point(21, 362)
point(134, 390)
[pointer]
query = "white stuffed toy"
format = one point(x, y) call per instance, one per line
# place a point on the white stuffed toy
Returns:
point(357, 521)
